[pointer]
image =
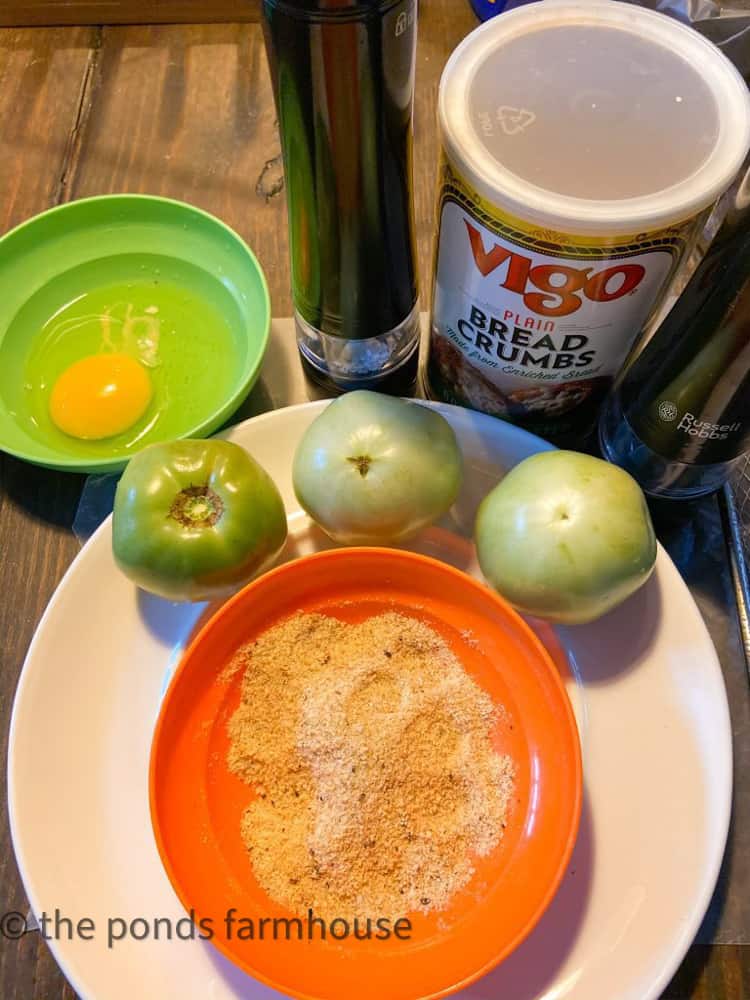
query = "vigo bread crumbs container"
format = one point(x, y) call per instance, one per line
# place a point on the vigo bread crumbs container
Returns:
point(582, 143)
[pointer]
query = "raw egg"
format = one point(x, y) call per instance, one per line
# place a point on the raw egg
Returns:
point(100, 396)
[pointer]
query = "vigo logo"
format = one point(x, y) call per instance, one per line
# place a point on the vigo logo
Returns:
point(559, 287)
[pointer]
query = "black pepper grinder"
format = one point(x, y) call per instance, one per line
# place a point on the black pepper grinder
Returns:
point(679, 418)
point(343, 76)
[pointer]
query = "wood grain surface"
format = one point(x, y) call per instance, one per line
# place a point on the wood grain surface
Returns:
point(43, 76)
point(58, 12)
point(185, 111)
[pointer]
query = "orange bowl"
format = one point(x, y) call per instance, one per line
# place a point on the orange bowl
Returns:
point(197, 804)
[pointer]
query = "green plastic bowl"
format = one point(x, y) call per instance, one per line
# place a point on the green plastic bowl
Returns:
point(214, 320)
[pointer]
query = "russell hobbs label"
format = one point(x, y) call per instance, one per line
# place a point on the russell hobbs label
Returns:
point(703, 429)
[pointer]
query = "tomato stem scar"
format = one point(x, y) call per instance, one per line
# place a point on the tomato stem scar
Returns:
point(197, 507)
point(362, 463)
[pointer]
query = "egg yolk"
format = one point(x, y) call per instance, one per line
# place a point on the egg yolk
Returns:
point(100, 396)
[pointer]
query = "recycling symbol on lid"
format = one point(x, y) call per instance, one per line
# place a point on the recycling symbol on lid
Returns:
point(514, 120)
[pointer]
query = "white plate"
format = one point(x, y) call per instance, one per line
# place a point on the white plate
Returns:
point(649, 698)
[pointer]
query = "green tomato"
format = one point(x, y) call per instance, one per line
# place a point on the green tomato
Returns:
point(565, 536)
point(373, 469)
point(194, 520)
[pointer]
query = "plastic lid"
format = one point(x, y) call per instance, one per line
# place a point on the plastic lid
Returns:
point(594, 117)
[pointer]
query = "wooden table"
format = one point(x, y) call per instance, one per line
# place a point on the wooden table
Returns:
point(187, 111)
